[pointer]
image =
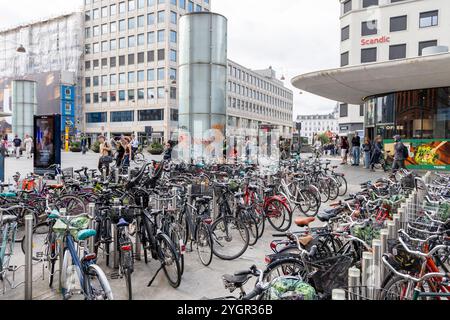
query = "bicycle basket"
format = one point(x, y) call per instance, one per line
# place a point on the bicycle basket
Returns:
point(290, 288)
point(331, 273)
point(76, 225)
point(366, 233)
point(400, 259)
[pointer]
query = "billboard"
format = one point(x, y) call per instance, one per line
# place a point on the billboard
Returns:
point(425, 154)
point(47, 143)
point(68, 108)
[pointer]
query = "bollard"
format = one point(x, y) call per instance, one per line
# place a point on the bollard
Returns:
point(91, 212)
point(58, 179)
point(215, 207)
point(367, 274)
point(29, 257)
point(397, 223)
point(401, 213)
point(189, 193)
point(391, 230)
point(354, 275)
point(377, 263)
point(338, 294)
point(104, 174)
point(117, 209)
point(138, 239)
point(116, 175)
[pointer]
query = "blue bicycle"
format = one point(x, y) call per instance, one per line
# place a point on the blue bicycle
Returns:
point(79, 273)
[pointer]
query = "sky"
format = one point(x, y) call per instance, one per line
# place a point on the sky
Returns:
point(292, 36)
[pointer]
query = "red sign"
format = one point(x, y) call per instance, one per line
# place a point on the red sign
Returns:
point(383, 39)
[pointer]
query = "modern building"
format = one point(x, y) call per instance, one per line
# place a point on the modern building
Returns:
point(51, 57)
point(131, 72)
point(255, 98)
point(395, 62)
point(318, 123)
point(130, 67)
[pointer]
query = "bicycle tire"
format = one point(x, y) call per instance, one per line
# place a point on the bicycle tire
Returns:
point(139, 158)
point(35, 242)
point(95, 272)
point(226, 223)
point(334, 189)
point(342, 185)
point(164, 242)
point(252, 227)
point(286, 211)
point(204, 239)
point(285, 267)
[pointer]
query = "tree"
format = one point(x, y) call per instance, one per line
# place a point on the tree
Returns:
point(323, 138)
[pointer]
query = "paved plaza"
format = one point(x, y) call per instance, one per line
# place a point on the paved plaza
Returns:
point(197, 282)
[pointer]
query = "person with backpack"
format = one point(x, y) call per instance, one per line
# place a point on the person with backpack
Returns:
point(377, 151)
point(401, 154)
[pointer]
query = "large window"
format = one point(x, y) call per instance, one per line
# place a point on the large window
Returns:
point(96, 117)
point(344, 59)
point(343, 110)
point(398, 23)
point(368, 55)
point(426, 44)
point(347, 6)
point(368, 3)
point(397, 51)
point(369, 28)
point(345, 33)
point(122, 116)
point(429, 19)
point(151, 115)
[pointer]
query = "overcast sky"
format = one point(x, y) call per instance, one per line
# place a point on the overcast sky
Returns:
point(292, 36)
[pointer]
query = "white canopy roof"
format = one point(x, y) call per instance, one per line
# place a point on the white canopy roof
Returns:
point(354, 83)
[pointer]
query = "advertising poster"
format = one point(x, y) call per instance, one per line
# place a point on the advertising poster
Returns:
point(47, 146)
point(425, 154)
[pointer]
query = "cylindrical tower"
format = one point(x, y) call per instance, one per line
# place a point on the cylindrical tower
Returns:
point(203, 73)
point(24, 106)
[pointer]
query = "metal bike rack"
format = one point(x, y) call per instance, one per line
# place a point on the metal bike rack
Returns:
point(138, 239)
point(91, 212)
point(115, 237)
point(29, 257)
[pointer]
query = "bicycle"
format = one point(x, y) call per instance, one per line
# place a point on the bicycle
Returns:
point(92, 280)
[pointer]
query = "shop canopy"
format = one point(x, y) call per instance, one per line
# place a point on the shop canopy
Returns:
point(354, 83)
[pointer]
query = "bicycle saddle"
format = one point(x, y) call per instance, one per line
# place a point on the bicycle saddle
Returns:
point(327, 215)
point(156, 212)
point(236, 280)
point(304, 222)
point(203, 199)
point(78, 171)
point(122, 223)
point(9, 218)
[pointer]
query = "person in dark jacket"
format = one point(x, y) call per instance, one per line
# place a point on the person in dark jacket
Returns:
point(399, 156)
point(367, 149)
point(376, 152)
point(344, 150)
point(168, 151)
point(356, 150)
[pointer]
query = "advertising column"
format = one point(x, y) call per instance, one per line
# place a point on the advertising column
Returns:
point(47, 143)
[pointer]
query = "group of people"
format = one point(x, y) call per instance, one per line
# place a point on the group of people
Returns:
point(17, 143)
point(126, 148)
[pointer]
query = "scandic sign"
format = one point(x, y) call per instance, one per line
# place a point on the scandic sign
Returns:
point(383, 39)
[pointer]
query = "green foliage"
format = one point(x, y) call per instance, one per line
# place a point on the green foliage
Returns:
point(96, 147)
point(323, 138)
point(156, 148)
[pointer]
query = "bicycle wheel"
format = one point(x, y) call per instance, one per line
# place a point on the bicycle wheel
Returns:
point(139, 158)
point(279, 215)
point(169, 259)
point(73, 204)
point(230, 238)
point(96, 284)
point(40, 241)
point(250, 222)
point(324, 189)
point(343, 187)
point(307, 201)
point(204, 244)
point(126, 266)
point(334, 189)
point(175, 233)
point(285, 267)
point(396, 288)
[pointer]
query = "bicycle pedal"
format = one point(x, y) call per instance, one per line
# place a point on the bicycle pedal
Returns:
point(12, 268)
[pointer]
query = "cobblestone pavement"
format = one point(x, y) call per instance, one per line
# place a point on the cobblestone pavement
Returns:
point(197, 282)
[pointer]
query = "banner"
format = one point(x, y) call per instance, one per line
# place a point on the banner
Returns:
point(47, 143)
point(428, 154)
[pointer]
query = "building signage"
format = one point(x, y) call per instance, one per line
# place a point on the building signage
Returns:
point(383, 39)
point(47, 143)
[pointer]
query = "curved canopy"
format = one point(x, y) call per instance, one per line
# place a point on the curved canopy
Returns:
point(354, 83)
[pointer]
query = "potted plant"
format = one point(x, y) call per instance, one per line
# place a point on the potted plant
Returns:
point(75, 146)
point(96, 147)
point(156, 148)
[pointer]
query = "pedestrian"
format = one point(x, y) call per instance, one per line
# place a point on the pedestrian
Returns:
point(17, 144)
point(120, 147)
point(83, 144)
point(401, 154)
point(356, 150)
point(367, 149)
point(28, 145)
point(344, 150)
point(128, 152)
point(377, 150)
point(134, 146)
point(105, 155)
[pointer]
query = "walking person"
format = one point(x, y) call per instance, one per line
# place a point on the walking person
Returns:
point(377, 150)
point(105, 155)
point(401, 154)
point(120, 147)
point(83, 144)
point(134, 146)
point(17, 144)
point(344, 150)
point(127, 154)
point(356, 150)
point(168, 152)
point(28, 142)
point(367, 149)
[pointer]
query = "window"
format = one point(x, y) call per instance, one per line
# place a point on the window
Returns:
point(140, 21)
point(122, 7)
point(151, 37)
point(173, 36)
point(87, 98)
point(112, 96)
point(122, 116)
point(96, 64)
point(131, 5)
point(95, 97)
point(122, 43)
point(161, 54)
point(95, 80)
point(161, 93)
point(161, 35)
point(131, 23)
point(87, 65)
point(397, 51)
point(104, 63)
point(140, 39)
point(173, 55)
point(141, 57)
point(161, 16)
point(398, 23)
point(174, 115)
point(140, 94)
point(104, 97)
point(151, 75)
point(344, 59)
point(182, 4)
point(343, 110)
point(141, 76)
point(131, 41)
point(131, 95)
point(105, 46)
point(122, 25)
point(361, 110)
point(347, 6)
point(368, 55)
point(161, 74)
point(151, 56)
point(368, 3)
point(96, 31)
point(131, 58)
point(95, 14)
point(112, 62)
point(190, 6)
point(87, 82)
point(113, 79)
point(426, 44)
point(173, 93)
point(122, 95)
point(151, 115)
point(96, 117)
point(150, 94)
point(173, 74)
point(131, 77)
point(345, 33)
point(173, 17)
point(369, 28)
point(113, 27)
point(113, 44)
point(121, 60)
point(151, 19)
point(113, 10)
point(122, 79)
point(104, 12)
point(428, 19)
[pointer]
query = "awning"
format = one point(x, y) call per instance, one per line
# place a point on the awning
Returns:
point(353, 84)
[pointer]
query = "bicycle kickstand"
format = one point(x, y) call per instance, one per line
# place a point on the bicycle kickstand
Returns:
point(156, 274)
